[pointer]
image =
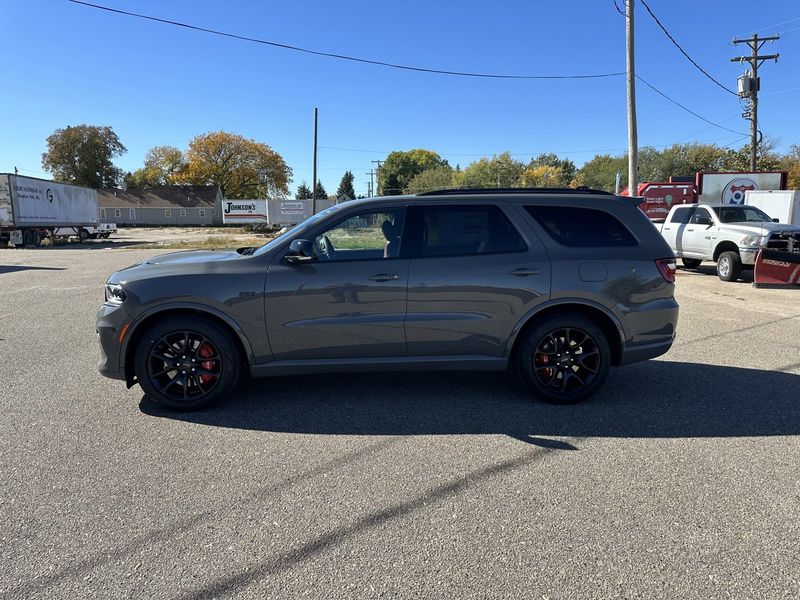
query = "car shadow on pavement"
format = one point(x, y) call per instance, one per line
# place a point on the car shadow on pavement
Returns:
point(15, 268)
point(746, 275)
point(654, 399)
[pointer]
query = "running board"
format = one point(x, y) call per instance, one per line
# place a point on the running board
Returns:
point(388, 363)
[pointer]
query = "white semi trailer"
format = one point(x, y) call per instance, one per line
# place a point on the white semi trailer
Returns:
point(32, 209)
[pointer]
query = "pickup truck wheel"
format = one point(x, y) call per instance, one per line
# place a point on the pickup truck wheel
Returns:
point(564, 359)
point(729, 266)
point(186, 363)
point(691, 263)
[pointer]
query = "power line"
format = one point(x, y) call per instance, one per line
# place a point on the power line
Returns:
point(678, 46)
point(619, 10)
point(339, 56)
point(777, 24)
point(690, 111)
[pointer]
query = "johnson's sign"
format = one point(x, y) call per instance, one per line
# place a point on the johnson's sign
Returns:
point(244, 211)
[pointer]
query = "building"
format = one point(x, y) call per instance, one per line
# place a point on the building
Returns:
point(162, 205)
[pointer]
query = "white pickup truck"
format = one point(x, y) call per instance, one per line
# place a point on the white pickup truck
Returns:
point(729, 234)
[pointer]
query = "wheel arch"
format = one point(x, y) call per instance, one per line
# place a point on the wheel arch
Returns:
point(145, 321)
point(725, 246)
point(607, 322)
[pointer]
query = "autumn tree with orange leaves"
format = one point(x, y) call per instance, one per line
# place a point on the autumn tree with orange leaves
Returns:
point(242, 168)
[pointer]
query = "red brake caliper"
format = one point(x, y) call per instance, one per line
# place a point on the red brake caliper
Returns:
point(543, 359)
point(206, 351)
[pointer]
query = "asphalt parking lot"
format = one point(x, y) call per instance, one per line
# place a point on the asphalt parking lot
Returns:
point(680, 479)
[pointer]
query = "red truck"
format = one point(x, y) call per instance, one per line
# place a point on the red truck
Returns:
point(659, 197)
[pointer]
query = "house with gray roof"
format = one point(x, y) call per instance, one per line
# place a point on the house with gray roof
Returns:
point(162, 205)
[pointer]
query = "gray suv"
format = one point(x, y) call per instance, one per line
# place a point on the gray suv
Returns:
point(554, 285)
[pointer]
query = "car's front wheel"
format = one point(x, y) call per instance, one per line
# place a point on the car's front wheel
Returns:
point(729, 266)
point(187, 363)
point(564, 359)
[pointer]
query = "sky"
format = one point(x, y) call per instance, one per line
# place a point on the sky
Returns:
point(157, 84)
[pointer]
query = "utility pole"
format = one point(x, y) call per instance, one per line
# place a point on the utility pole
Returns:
point(371, 173)
point(749, 85)
point(314, 183)
point(633, 142)
point(378, 174)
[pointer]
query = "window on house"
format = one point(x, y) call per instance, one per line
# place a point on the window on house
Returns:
point(167, 212)
point(132, 214)
point(183, 212)
point(202, 213)
point(102, 213)
point(117, 213)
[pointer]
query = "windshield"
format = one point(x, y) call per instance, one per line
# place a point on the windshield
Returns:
point(741, 214)
point(298, 229)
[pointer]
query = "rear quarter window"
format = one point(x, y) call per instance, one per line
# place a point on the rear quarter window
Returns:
point(582, 227)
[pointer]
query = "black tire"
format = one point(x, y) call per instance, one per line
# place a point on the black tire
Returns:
point(83, 235)
point(168, 354)
point(564, 358)
point(691, 263)
point(729, 266)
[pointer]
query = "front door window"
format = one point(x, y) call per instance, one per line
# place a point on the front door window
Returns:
point(367, 235)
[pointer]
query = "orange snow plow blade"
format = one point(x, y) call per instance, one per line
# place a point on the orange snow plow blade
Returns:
point(778, 265)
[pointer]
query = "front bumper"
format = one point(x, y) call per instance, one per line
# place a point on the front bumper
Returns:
point(748, 255)
point(111, 318)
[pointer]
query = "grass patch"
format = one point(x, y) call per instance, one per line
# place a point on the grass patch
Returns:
point(217, 242)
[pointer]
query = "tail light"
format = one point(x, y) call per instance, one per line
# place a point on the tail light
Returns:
point(667, 268)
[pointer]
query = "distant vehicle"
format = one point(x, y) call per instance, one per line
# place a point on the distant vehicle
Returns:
point(729, 234)
point(783, 205)
point(558, 285)
point(33, 209)
point(103, 230)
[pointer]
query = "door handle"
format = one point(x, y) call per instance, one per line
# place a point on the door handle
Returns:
point(523, 272)
point(692, 229)
point(384, 277)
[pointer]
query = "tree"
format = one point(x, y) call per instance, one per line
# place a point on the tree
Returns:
point(499, 171)
point(163, 165)
point(400, 168)
point(790, 163)
point(303, 192)
point(321, 193)
point(437, 178)
point(242, 168)
point(83, 155)
point(541, 176)
point(564, 168)
point(346, 190)
point(600, 172)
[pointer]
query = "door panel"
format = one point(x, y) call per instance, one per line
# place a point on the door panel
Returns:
point(469, 304)
point(337, 309)
point(350, 301)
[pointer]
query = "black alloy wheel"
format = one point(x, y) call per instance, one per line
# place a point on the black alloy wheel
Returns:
point(187, 363)
point(565, 359)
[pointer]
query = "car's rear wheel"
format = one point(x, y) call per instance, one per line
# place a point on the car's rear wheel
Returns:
point(691, 263)
point(564, 359)
point(187, 363)
point(729, 266)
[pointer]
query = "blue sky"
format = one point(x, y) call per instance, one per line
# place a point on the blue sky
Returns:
point(155, 84)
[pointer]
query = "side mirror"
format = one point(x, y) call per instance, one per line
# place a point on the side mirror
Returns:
point(300, 251)
point(776, 220)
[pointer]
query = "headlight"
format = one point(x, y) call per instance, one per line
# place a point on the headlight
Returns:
point(114, 293)
point(754, 241)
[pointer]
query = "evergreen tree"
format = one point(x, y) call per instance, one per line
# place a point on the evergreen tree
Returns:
point(346, 190)
point(303, 192)
point(321, 193)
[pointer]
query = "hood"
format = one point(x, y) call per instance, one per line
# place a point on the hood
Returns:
point(760, 228)
point(191, 257)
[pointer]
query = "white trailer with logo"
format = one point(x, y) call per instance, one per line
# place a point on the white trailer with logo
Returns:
point(32, 209)
point(276, 212)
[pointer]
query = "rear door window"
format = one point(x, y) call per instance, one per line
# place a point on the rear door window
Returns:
point(682, 215)
point(582, 227)
point(465, 230)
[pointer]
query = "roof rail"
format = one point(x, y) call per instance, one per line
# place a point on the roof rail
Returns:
point(479, 191)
